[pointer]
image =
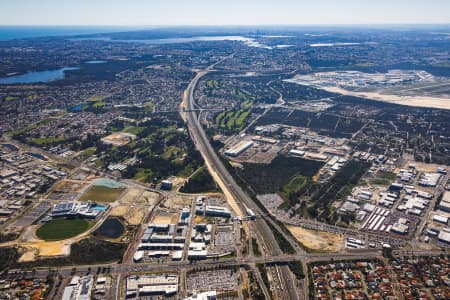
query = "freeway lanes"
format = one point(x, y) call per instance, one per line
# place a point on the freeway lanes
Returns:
point(125, 268)
point(233, 192)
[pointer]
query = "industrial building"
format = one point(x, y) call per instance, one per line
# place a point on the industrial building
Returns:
point(217, 211)
point(440, 219)
point(430, 179)
point(295, 152)
point(239, 148)
point(444, 236)
point(444, 205)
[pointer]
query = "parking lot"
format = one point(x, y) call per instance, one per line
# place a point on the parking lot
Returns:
point(34, 214)
point(219, 280)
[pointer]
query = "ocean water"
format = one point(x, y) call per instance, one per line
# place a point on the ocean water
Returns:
point(23, 32)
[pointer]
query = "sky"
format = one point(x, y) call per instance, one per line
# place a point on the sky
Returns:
point(223, 12)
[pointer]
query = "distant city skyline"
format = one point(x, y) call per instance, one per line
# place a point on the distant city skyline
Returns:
point(230, 12)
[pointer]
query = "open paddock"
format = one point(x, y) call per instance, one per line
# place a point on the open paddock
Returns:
point(317, 240)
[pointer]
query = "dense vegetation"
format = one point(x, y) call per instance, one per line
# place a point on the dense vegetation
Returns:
point(255, 247)
point(283, 243)
point(8, 237)
point(272, 178)
point(163, 148)
point(297, 92)
point(8, 258)
point(84, 252)
point(200, 182)
point(293, 189)
point(297, 269)
point(338, 187)
point(263, 272)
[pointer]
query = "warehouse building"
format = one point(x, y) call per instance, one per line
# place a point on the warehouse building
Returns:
point(217, 211)
point(444, 236)
point(239, 148)
point(444, 205)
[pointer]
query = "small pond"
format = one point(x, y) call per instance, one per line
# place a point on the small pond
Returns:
point(112, 228)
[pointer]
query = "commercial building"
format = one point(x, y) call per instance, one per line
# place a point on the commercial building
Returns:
point(211, 295)
point(88, 210)
point(197, 250)
point(166, 185)
point(151, 285)
point(184, 218)
point(80, 288)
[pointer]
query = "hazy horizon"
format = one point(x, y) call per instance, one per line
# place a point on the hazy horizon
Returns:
point(230, 13)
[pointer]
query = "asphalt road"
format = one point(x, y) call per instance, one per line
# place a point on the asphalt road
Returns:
point(240, 197)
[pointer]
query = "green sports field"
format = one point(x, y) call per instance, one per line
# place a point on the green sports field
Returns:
point(99, 193)
point(60, 229)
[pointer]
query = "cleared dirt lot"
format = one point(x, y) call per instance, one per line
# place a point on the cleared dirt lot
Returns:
point(178, 202)
point(200, 220)
point(423, 167)
point(148, 198)
point(163, 217)
point(317, 240)
point(135, 216)
point(34, 250)
point(130, 196)
point(70, 186)
point(119, 211)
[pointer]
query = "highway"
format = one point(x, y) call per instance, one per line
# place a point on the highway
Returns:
point(234, 194)
point(168, 265)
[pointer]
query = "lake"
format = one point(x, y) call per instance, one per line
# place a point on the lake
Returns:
point(37, 76)
point(112, 228)
point(95, 62)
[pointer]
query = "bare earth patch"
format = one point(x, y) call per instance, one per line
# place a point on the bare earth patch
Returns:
point(135, 216)
point(130, 196)
point(178, 202)
point(148, 198)
point(70, 186)
point(36, 250)
point(423, 167)
point(418, 101)
point(163, 218)
point(317, 240)
point(200, 219)
point(119, 211)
